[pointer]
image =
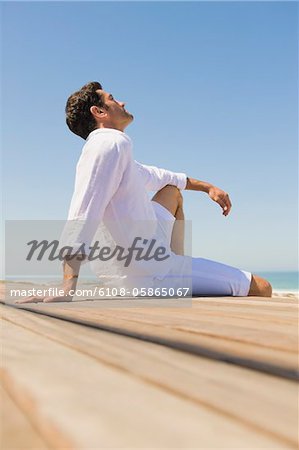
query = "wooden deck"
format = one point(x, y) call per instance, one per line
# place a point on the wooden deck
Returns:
point(124, 374)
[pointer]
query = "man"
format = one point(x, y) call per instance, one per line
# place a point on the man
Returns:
point(112, 187)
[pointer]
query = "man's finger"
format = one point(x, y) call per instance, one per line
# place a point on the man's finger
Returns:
point(225, 211)
point(229, 202)
point(228, 205)
point(222, 203)
point(30, 300)
point(57, 299)
point(225, 207)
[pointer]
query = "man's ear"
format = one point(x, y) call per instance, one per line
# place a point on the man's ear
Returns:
point(97, 112)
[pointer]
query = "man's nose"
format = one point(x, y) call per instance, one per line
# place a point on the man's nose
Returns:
point(122, 104)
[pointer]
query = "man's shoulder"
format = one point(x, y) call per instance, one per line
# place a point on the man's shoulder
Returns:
point(106, 143)
point(109, 137)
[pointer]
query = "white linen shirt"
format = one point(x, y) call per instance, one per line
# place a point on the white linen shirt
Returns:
point(111, 186)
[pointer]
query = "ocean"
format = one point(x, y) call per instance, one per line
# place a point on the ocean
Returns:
point(283, 283)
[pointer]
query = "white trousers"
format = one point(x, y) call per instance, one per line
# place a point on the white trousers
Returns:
point(203, 276)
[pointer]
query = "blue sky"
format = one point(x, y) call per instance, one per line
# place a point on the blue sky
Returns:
point(212, 86)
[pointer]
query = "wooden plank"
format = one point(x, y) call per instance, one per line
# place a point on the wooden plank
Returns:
point(266, 301)
point(262, 402)
point(262, 342)
point(16, 430)
point(255, 307)
point(98, 405)
point(264, 333)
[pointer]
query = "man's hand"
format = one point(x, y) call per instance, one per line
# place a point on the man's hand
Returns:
point(216, 194)
point(42, 299)
point(220, 197)
point(71, 268)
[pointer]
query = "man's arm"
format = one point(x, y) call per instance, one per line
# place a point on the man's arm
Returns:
point(156, 178)
point(216, 194)
point(71, 269)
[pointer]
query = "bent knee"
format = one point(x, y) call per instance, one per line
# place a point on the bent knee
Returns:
point(170, 197)
point(260, 287)
point(179, 196)
point(171, 188)
point(170, 191)
point(175, 191)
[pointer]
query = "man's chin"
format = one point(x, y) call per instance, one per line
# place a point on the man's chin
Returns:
point(129, 120)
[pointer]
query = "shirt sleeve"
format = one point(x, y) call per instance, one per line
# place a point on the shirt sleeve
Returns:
point(98, 176)
point(156, 178)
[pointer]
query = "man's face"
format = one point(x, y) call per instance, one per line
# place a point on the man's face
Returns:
point(117, 116)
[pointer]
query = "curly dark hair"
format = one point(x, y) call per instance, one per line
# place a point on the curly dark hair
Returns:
point(78, 116)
